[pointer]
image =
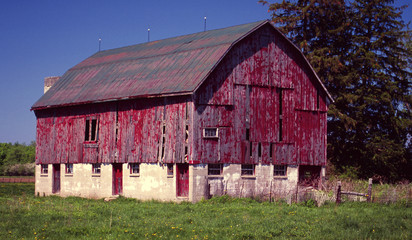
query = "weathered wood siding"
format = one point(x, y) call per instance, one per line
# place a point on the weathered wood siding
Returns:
point(128, 131)
point(244, 92)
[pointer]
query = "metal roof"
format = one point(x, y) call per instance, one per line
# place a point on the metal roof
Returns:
point(173, 66)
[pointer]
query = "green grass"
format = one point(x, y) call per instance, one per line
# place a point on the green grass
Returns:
point(29, 217)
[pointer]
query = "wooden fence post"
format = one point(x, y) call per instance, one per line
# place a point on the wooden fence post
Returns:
point(369, 196)
point(338, 193)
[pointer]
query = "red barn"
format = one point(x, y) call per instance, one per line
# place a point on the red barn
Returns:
point(235, 111)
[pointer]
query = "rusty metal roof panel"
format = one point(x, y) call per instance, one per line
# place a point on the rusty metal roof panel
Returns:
point(171, 66)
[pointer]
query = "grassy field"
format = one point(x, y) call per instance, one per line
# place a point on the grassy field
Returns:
point(27, 217)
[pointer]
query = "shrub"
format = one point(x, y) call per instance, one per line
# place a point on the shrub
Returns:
point(25, 169)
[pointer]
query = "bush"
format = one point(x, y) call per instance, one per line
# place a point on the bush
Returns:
point(25, 169)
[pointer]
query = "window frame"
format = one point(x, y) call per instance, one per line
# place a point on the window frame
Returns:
point(247, 170)
point(69, 169)
point(133, 167)
point(214, 169)
point(44, 169)
point(91, 129)
point(278, 172)
point(96, 168)
point(207, 129)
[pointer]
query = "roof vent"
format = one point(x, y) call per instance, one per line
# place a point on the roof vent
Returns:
point(48, 82)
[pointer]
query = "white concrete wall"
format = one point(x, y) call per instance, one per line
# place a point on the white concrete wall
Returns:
point(262, 184)
point(153, 182)
point(43, 183)
point(83, 183)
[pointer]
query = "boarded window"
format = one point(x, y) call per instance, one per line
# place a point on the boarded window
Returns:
point(170, 169)
point(69, 168)
point(210, 132)
point(134, 168)
point(96, 168)
point(248, 170)
point(214, 169)
point(91, 132)
point(279, 170)
point(44, 169)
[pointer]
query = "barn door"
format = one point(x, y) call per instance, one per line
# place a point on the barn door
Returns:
point(182, 180)
point(56, 178)
point(117, 179)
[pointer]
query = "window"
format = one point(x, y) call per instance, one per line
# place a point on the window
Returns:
point(214, 169)
point(96, 168)
point(69, 168)
point(279, 170)
point(248, 170)
point(170, 169)
point(91, 132)
point(44, 169)
point(134, 168)
point(210, 132)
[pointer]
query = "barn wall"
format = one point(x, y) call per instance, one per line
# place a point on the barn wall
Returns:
point(155, 130)
point(81, 184)
point(271, 91)
point(153, 182)
point(152, 179)
point(263, 184)
point(43, 183)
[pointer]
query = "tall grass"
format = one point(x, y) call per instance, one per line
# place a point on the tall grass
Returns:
point(29, 217)
point(381, 193)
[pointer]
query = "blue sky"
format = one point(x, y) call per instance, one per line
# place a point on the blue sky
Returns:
point(47, 37)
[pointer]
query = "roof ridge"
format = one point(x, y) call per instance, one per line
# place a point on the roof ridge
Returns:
point(190, 34)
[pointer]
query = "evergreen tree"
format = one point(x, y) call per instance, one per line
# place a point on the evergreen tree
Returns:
point(360, 51)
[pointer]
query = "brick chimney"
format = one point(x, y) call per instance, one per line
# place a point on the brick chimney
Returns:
point(48, 82)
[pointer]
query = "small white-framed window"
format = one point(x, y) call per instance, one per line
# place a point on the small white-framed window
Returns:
point(279, 170)
point(44, 168)
point(134, 168)
point(96, 168)
point(211, 132)
point(247, 170)
point(69, 168)
point(214, 169)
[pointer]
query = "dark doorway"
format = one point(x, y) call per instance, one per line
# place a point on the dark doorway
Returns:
point(117, 178)
point(56, 178)
point(309, 175)
point(182, 180)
